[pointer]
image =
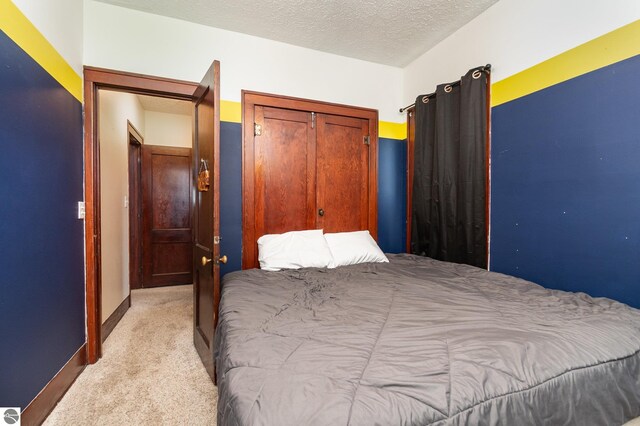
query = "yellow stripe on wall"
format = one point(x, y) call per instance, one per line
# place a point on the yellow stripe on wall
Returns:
point(389, 130)
point(608, 49)
point(231, 112)
point(16, 25)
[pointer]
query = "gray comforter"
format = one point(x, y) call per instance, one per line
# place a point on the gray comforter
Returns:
point(420, 342)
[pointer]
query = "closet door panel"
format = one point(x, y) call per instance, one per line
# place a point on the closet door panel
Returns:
point(342, 161)
point(284, 171)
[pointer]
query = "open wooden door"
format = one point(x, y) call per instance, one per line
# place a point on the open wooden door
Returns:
point(206, 240)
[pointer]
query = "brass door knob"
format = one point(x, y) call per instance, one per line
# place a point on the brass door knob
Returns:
point(223, 259)
point(205, 260)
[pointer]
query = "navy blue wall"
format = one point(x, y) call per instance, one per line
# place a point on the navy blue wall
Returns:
point(566, 184)
point(41, 239)
point(392, 160)
point(392, 195)
point(231, 195)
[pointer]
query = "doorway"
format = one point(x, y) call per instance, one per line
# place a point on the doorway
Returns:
point(95, 80)
point(146, 197)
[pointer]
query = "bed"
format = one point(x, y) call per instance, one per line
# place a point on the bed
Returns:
point(420, 342)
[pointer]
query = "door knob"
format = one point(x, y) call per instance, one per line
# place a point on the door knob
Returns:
point(205, 260)
point(321, 212)
point(223, 259)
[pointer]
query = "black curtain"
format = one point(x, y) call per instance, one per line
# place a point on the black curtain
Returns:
point(449, 180)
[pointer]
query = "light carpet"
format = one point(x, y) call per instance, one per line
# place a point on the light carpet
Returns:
point(150, 373)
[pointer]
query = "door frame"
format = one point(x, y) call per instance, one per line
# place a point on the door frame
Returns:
point(250, 100)
point(135, 205)
point(95, 79)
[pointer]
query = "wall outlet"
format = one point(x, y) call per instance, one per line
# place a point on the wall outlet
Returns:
point(81, 211)
point(126, 202)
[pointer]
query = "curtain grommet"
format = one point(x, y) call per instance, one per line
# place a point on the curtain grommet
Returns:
point(425, 99)
point(476, 74)
point(448, 88)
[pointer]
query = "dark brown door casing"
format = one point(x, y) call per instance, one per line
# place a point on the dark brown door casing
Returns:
point(167, 233)
point(206, 244)
point(135, 208)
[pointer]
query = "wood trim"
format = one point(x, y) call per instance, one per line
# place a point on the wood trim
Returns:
point(140, 83)
point(411, 137)
point(252, 99)
point(115, 317)
point(134, 160)
point(132, 131)
point(37, 411)
point(248, 181)
point(94, 79)
point(488, 172)
point(92, 222)
point(310, 105)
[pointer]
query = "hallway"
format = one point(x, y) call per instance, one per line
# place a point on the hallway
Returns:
point(150, 373)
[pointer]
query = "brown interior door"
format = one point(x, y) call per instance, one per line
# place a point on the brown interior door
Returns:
point(206, 242)
point(135, 213)
point(284, 171)
point(166, 194)
point(342, 153)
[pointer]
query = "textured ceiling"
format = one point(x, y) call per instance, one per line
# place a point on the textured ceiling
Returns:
point(166, 105)
point(392, 32)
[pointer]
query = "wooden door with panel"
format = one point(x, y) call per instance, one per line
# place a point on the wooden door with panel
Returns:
point(285, 171)
point(300, 156)
point(166, 198)
point(343, 163)
point(206, 241)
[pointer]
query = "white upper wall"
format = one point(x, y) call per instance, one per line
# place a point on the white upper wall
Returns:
point(60, 22)
point(115, 108)
point(513, 35)
point(124, 39)
point(168, 129)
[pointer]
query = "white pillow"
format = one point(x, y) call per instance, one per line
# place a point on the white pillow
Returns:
point(350, 248)
point(294, 250)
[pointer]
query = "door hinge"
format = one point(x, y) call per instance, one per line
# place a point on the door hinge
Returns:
point(313, 120)
point(367, 140)
point(257, 129)
point(216, 239)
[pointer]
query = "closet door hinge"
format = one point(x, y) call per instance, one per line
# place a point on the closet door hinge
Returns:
point(313, 120)
point(257, 129)
point(367, 140)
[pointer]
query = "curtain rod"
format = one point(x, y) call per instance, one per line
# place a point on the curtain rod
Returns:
point(455, 83)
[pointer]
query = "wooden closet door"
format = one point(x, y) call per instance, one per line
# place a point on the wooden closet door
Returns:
point(342, 161)
point(284, 171)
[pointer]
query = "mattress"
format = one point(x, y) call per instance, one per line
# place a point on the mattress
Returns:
point(421, 342)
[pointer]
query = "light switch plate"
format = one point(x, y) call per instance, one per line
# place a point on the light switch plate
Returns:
point(81, 211)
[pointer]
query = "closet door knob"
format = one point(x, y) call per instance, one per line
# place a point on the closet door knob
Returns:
point(321, 212)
